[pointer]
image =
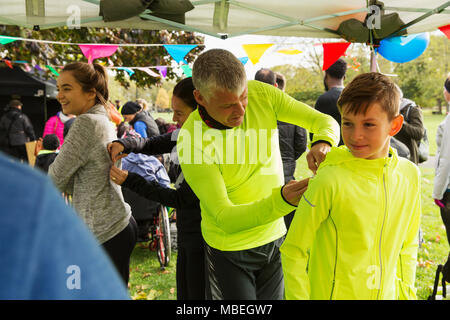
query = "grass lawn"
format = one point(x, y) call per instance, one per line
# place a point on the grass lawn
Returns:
point(147, 281)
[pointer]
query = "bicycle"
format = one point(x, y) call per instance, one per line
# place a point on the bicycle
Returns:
point(160, 240)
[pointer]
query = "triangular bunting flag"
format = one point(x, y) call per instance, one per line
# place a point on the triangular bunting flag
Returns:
point(27, 67)
point(52, 70)
point(244, 60)
point(162, 70)
point(178, 52)
point(187, 70)
point(92, 51)
point(445, 30)
point(128, 70)
point(255, 51)
point(289, 51)
point(150, 72)
point(8, 63)
point(332, 52)
point(37, 67)
point(6, 39)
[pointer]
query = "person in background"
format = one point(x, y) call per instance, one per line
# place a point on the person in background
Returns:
point(47, 253)
point(441, 190)
point(413, 129)
point(190, 273)
point(142, 122)
point(15, 131)
point(55, 125)
point(292, 138)
point(48, 153)
point(82, 166)
point(334, 84)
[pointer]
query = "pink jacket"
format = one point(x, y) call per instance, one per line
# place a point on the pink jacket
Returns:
point(56, 126)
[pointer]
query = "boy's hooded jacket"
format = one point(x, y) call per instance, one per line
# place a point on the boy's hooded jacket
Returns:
point(354, 234)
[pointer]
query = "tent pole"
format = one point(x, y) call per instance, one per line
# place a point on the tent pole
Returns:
point(373, 60)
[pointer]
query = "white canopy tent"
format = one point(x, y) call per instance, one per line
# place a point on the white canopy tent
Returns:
point(229, 18)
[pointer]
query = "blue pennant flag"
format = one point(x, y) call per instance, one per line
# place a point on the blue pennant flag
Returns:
point(130, 71)
point(178, 52)
point(243, 60)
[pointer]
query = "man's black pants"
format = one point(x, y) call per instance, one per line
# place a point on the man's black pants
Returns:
point(253, 274)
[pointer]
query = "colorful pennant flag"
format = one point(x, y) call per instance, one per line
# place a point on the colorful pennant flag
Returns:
point(128, 70)
point(289, 51)
point(187, 70)
point(27, 67)
point(244, 60)
point(333, 51)
point(8, 63)
point(162, 70)
point(255, 51)
point(150, 72)
point(178, 52)
point(37, 67)
point(52, 70)
point(92, 52)
point(445, 30)
point(6, 39)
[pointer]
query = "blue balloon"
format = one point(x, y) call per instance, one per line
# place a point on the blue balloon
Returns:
point(404, 48)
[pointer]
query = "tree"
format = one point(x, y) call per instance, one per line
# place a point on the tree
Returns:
point(58, 55)
point(162, 99)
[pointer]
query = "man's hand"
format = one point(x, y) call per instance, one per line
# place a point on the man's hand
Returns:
point(316, 155)
point(118, 175)
point(115, 151)
point(293, 191)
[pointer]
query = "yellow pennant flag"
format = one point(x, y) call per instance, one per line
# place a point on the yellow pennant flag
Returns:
point(255, 51)
point(290, 51)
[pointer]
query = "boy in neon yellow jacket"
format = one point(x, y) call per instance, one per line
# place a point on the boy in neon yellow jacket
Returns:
point(354, 233)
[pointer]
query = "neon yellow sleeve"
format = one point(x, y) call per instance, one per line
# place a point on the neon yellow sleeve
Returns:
point(292, 111)
point(312, 210)
point(207, 183)
point(407, 261)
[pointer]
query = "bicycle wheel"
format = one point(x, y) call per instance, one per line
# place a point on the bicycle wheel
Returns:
point(163, 245)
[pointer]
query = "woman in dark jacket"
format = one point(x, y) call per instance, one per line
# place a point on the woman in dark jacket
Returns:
point(412, 130)
point(190, 262)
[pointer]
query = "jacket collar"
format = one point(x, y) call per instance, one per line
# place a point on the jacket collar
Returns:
point(210, 121)
point(98, 109)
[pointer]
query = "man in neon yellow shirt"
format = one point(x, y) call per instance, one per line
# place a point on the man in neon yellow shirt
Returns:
point(355, 232)
point(229, 153)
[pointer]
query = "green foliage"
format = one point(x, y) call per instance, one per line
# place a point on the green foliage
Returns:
point(58, 55)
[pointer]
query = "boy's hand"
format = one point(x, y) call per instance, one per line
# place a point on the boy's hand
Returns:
point(439, 203)
point(293, 191)
point(115, 150)
point(316, 155)
point(117, 175)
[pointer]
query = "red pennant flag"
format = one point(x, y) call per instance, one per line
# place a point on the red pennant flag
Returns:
point(332, 52)
point(8, 63)
point(445, 30)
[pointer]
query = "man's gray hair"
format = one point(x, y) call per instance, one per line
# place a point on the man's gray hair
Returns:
point(218, 69)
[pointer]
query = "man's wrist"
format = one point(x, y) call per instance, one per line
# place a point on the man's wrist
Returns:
point(320, 141)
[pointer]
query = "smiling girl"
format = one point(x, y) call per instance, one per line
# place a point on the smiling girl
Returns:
point(82, 166)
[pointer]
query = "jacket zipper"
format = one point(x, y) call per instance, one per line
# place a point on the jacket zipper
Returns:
point(335, 260)
point(381, 233)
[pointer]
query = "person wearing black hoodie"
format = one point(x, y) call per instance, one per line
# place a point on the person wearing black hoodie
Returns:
point(15, 130)
point(191, 259)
